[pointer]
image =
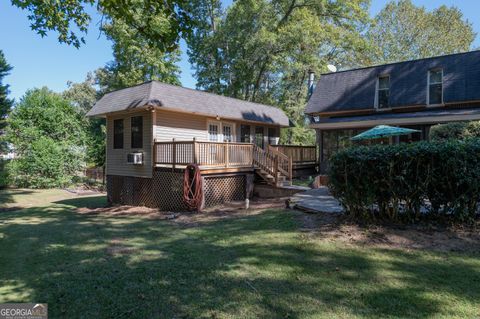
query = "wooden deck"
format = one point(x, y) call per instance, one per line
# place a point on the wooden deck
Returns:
point(223, 157)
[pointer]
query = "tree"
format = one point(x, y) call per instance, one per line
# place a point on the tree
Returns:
point(455, 130)
point(49, 139)
point(83, 96)
point(262, 50)
point(159, 22)
point(136, 60)
point(403, 31)
point(5, 102)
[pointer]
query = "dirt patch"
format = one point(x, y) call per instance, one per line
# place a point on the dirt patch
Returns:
point(231, 210)
point(337, 228)
point(122, 210)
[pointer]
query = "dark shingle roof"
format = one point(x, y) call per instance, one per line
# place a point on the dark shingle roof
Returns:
point(355, 89)
point(186, 100)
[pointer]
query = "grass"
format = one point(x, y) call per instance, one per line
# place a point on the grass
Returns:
point(305, 182)
point(258, 266)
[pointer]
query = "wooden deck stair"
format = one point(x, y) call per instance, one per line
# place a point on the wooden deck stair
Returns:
point(273, 167)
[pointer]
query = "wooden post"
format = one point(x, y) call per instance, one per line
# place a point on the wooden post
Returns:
point(290, 168)
point(195, 160)
point(174, 153)
point(226, 151)
point(154, 153)
point(275, 169)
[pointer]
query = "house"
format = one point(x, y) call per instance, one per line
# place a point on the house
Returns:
point(154, 130)
point(414, 94)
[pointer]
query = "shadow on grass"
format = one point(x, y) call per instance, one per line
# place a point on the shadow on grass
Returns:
point(254, 266)
point(7, 195)
point(87, 201)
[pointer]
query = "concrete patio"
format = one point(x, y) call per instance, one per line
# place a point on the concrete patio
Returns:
point(317, 201)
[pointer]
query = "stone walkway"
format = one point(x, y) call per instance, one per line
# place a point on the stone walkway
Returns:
point(317, 201)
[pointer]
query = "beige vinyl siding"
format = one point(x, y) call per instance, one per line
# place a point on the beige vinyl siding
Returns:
point(180, 126)
point(117, 158)
point(184, 127)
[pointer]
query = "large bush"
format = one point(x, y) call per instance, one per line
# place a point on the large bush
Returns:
point(395, 181)
point(455, 130)
point(48, 136)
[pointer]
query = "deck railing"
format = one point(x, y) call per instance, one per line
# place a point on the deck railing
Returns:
point(206, 154)
point(298, 154)
point(213, 155)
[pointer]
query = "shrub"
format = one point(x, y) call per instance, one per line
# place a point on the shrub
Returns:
point(455, 130)
point(394, 181)
point(48, 135)
point(44, 164)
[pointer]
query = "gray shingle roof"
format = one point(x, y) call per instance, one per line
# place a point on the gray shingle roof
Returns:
point(186, 100)
point(355, 89)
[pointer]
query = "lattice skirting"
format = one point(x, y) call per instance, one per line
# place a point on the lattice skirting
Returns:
point(128, 190)
point(224, 189)
point(165, 190)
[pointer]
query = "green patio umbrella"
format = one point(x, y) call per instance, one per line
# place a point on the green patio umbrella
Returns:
point(381, 131)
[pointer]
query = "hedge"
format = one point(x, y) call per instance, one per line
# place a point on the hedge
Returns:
point(399, 181)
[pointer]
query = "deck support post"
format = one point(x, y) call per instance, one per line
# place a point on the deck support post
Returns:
point(174, 154)
point(225, 154)
point(195, 160)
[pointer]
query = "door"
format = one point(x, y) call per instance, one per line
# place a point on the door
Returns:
point(213, 132)
point(259, 136)
point(227, 132)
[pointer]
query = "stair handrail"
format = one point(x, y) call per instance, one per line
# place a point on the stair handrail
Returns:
point(285, 162)
point(260, 159)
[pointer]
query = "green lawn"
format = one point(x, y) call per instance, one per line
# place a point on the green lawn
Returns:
point(257, 266)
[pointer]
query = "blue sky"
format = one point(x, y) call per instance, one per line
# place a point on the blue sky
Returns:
point(44, 62)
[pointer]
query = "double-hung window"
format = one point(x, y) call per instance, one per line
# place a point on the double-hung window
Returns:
point(137, 131)
point(435, 87)
point(118, 134)
point(383, 92)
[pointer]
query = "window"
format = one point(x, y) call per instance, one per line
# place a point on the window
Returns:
point(272, 135)
point(245, 133)
point(227, 133)
point(383, 92)
point(118, 133)
point(435, 87)
point(213, 132)
point(137, 131)
point(259, 136)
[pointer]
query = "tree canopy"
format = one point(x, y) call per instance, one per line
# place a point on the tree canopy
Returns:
point(262, 50)
point(136, 60)
point(160, 22)
point(82, 96)
point(403, 31)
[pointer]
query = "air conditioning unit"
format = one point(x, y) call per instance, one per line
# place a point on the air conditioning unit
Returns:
point(135, 158)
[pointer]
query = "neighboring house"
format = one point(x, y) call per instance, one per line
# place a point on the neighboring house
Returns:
point(154, 130)
point(8, 153)
point(414, 94)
